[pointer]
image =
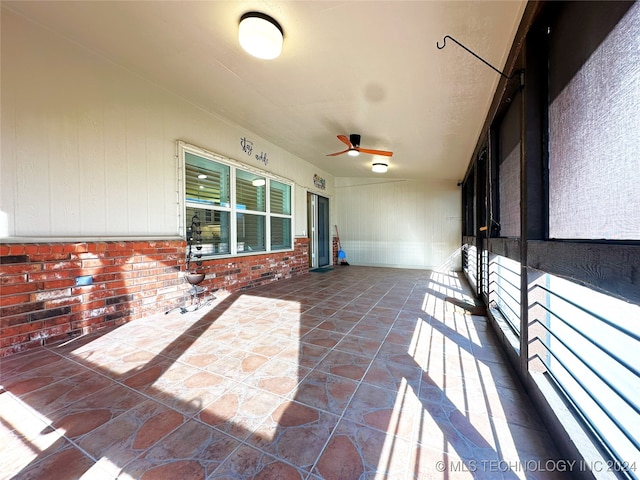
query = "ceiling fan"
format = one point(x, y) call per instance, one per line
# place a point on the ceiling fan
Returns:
point(353, 142)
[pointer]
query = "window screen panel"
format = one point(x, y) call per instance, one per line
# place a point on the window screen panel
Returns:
point(594, 146)
point(509, 170)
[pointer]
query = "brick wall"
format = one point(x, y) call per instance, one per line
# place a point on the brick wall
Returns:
point(41, 302)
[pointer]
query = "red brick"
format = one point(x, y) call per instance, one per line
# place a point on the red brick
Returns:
point(17, 268)
point(87, 306)
point(16, 249)
point(12, 341)
point(63, 302)
point(31, 249)
point(53, 284)
point(13, 300)
point(13, 320)
point(50, 331)
point(57, 248)
point(63, 264)
point(12, 279)
point(17, 288)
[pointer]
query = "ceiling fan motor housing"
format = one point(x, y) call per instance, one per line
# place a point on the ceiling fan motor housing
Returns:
point(354, 138)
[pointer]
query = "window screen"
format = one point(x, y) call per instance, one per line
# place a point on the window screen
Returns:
point(594, 120)
point(509, 170)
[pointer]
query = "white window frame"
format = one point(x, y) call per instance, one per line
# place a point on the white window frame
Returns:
point(182, 148)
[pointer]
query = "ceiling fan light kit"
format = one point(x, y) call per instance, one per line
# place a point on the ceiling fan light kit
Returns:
point(353, 150)
point(379, 167)
point(260, 35)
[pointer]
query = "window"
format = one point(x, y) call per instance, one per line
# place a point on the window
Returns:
point(241, 210)
point(509, 170)
point(594, 117)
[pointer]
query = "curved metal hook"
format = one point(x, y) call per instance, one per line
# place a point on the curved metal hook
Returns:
point(444, 44)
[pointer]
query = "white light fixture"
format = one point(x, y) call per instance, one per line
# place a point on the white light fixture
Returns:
point(260, 35)
point(202, 176)
point(353, 152)
point(379, 168)
point(259, 182)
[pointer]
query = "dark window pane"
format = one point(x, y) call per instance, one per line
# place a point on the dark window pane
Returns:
point(280, 233)
point(251, 233)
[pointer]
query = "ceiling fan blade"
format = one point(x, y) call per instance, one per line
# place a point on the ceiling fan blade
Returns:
point(344, 139)
point(375, 152)
point(338, 153)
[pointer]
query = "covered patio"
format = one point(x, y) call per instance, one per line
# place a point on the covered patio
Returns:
point(352, 373)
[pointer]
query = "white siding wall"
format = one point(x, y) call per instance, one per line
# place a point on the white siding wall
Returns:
point(88, 148)
point(399, 223)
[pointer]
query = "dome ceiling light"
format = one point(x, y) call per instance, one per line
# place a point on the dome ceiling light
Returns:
point(260, 35)
point(379, 167)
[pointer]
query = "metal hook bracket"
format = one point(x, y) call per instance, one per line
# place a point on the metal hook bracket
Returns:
point(517, 72)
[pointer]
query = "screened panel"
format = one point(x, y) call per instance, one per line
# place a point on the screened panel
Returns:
point(509, 171)
point(250, 191)
point(469, 204)
point(251, 233)
point(280, 233)
point(206, 182)
point(280, 198)
point(594, 147)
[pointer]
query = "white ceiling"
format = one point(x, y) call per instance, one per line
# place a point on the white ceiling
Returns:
point(347, 67)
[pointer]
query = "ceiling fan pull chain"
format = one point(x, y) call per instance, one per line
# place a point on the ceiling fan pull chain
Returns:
point(517, 72)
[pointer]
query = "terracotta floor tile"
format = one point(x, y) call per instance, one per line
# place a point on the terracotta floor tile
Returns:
point(66, 391)
point(277, 376)
point(359, 373)
point(22, 363)
point(43, 376)
point(193, 451)
point(333, 325)
point(359, 345)
point(345, 364)
point(84, 344)
point(367, 330)
point(392, 375)
point(356, 452)
point(180, 386)
point(291, 426)
point(248, 462)
point(386, 410)
point(117, 360)
point(304, 354)
point(66, 463)
point(322, 338)
point(240, 411)
point(91, 412)
point(321, 390)
point(130, 434)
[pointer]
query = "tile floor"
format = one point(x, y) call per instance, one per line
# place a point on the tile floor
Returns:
point(357, 373)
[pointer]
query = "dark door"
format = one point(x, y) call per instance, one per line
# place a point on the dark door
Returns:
point(324, 232)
